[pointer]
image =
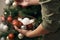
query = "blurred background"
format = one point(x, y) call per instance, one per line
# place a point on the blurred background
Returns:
point(2, 5)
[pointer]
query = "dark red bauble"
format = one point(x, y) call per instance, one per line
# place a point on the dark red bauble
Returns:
point(9, 19)
point(2, 18)
point(16, 23)
point(30, 26)
point(20, 23)
point(11, 36)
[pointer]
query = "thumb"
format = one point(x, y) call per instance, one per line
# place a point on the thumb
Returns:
point(24, 4)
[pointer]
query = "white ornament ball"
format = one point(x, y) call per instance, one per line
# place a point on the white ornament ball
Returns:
point(26, 21)
point(5, 13)
point(5, 28)
point(32, 21)
point(23, 27)
point(7, 38)
point(14, 4)
point(2, 38)
point(20, 19)
point(1, 26)
point(7, 2)
point(20, 36)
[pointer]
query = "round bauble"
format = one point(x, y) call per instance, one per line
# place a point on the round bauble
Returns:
point(20, 36)
point(14, 4)
point(7, 2)
point(20, 23)
point(32, 21)
point(9, 19)
point(20, 19)
point(2, 38)
point(2, 18)
point(25, 21)
point(5, 28)
point(30, 26)
point(16, 23)
point(23, 27)
point(7, 38)
point(5, 13)
point(11, 36)
point(1, 26)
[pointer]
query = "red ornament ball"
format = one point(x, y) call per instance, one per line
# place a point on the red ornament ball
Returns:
point(2, 18)
point(20, 23)
point(30, 26)
point(11, 36)
point(9, 19)
point(16, 23)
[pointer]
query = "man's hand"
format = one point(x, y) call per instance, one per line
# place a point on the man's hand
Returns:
point(26, 3)
point(24, 32)
point(16, 28)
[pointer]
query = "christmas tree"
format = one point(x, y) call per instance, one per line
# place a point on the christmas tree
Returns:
point(27, 18)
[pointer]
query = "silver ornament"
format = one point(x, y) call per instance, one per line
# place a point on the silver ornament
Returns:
point(23, 27)
point(14, 4)
point(2, 38)
point(20, 36)
point(7, 2)
point(5, 28)
point(20, 19)
point(26, 21)
point(7, 38)
point(32, 20)
point(1, 26)
point(5, 13)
